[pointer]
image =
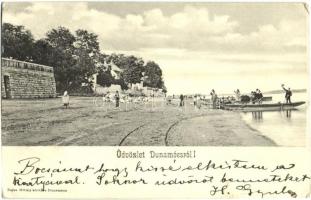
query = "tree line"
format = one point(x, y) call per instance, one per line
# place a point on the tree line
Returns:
point(76, 57)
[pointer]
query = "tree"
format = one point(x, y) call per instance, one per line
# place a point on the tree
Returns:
point(73, 57)
point(76, 57)
point(118, 59)
point(61, 38)
point(62, 59)
point(43, 52)
point(86, 54)
point(87, 41)
point(154, 75)
point(164, 89)
point(132, 68)
point(104, 78)
point(17, 42)
point(122, 83)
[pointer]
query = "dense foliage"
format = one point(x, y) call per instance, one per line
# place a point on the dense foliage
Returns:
point(16, 42)
point(76, 57)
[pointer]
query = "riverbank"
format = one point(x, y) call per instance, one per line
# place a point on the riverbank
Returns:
point(88, 122)
point(292, 123)
point(218, 128)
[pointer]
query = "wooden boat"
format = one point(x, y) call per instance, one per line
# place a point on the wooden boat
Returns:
point(262, 107)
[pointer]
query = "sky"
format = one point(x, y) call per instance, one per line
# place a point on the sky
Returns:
point(199, 46)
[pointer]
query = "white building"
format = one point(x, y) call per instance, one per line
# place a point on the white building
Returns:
point(115, 72)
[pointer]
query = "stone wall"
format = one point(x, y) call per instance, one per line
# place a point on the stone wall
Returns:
point(27, 80)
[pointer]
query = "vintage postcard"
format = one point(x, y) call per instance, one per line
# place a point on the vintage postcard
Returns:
point(155, 100)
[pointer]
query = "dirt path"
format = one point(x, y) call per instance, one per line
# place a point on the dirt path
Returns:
point(45, 122)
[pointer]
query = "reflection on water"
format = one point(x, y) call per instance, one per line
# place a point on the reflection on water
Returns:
point(286, 127)
point(288, 113)
point(258, 115)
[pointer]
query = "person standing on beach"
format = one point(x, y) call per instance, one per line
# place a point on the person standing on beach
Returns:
point(182, 103)
point(214, 98)
point(253, 97)
point(117, 98)
point(288, 94)
point(198, 101)
point(237, 95)
point(65, 99)
point(259, 96)
point(195, 101)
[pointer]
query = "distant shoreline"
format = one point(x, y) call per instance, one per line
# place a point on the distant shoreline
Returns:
point(282, 91)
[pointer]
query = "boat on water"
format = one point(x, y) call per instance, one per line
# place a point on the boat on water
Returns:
point(262, 107)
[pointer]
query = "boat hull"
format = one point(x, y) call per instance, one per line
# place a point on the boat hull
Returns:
point(262, 107)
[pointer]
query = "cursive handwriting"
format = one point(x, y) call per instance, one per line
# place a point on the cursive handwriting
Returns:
point(29, 166)
point(117, 181)
point(271, 178)
point(188, 180)
point(251, 192)
point(103, 170)
point(220, 178)
point(40, 180)
point(210, 165)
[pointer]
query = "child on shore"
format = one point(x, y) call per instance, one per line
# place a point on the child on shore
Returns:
point(65, 99)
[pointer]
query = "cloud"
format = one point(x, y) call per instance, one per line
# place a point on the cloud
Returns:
point(192, 28)
point(145, 30)
point(208, 43)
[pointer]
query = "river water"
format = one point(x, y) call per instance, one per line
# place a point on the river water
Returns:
point(285, 128)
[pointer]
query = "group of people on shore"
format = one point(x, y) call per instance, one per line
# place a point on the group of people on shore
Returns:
point(256, 96)
point(108, 97)
point(65, 99)
point(197, 100)
point(115, 98)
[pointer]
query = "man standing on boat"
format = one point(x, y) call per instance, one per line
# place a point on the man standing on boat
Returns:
point(288, 94)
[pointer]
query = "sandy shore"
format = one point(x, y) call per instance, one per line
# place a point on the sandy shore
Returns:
point(46, 122)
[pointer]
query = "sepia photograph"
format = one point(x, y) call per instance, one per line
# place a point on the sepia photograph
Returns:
point(155, 100)
point(154, 74)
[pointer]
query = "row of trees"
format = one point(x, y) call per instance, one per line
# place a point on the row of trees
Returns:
point(76, 57)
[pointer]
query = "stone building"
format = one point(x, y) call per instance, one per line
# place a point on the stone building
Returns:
point(26, 80)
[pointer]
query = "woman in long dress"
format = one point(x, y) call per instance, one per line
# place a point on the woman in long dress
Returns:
point(65, 99)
